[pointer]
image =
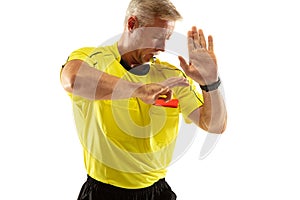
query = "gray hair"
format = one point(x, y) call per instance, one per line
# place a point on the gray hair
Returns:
point(147, 10)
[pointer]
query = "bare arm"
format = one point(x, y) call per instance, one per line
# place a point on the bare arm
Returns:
point(212, 115)
point(80, 79)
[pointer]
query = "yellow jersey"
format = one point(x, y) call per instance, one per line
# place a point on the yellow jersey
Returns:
point(126, 142)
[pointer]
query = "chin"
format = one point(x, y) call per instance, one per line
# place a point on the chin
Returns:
point(147, 58)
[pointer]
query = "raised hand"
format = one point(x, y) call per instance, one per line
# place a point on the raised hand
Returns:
point(202, 66)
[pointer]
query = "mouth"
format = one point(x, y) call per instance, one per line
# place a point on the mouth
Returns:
point(148, 56)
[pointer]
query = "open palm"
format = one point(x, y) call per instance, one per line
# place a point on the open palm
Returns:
point(202, 66)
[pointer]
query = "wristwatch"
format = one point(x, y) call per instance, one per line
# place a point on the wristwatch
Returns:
point(211, 87)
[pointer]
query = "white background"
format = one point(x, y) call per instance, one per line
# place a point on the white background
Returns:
point(256, 43)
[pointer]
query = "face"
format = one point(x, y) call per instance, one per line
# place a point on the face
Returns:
point(150, 40)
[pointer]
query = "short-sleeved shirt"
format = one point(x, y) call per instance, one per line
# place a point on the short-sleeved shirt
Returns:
point(128, 143)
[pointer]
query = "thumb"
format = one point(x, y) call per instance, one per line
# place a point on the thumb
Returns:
point(183, 63)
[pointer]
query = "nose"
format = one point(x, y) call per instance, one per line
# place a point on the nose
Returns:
point(161, 45)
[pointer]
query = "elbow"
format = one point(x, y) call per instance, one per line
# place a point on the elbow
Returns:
point(69, 75)
point(223, 124)
point(68, 82)
point(213, 127)
point(219, 130)
point(68, 86)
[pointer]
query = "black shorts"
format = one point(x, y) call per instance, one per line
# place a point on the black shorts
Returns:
point(95, 190)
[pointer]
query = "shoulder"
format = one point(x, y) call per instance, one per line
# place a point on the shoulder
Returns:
point(81, 53)
point(92, 55)
point(96, 51)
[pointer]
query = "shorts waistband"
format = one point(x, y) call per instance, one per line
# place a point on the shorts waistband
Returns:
point(159, 185)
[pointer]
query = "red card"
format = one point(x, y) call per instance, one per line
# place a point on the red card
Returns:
point(173, 103)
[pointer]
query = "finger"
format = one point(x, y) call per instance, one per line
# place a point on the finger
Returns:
point(175, 81)
point(183, 64)
point(210, 44)
point(196, 37)
point(202, 38)
point(194, 29)
point(190, 34)
point(191, 45)
point(164, 92)
point(168, 95)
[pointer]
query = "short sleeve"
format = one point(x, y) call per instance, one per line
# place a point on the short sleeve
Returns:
point(84, 55)
point(189, 99)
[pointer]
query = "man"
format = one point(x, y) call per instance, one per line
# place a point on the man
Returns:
point(127, 103)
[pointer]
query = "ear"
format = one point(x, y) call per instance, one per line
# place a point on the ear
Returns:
point(132, 23)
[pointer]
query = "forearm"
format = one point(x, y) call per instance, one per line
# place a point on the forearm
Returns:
point(213, 114)
point(81, 80)
point(104, 87)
